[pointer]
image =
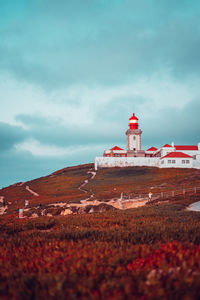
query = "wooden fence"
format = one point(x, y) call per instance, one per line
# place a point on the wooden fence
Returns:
point(161, 195)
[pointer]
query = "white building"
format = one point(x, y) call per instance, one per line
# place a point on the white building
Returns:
point(176, 160)
point(167, 156)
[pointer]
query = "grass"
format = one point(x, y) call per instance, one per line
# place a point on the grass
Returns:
point(61, 187)
point(108, 183)
point(112, 182)
point(152, 252)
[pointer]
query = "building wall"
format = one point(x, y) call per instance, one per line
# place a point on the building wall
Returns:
point(108, 162)
point(115, 153)
point(166, 150)
point(196, 162)
point(134, 139)
point(133, 142)
point(178, 162)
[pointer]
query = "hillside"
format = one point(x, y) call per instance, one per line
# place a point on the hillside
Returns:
point(72, 185)
point(149, 252)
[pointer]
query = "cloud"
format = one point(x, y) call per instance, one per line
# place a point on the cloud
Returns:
point(180, 125)
point(72, 73)
point(24, 164)
point(10, 135)
point(80, 116)
point(93, 42)
point(53, 133)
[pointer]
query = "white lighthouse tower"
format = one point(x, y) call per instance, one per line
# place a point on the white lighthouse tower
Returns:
point(134, 147)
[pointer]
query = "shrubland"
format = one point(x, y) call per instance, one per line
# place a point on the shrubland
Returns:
point(151, 252)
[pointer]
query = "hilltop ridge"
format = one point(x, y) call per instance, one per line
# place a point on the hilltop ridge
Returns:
point(81, 185)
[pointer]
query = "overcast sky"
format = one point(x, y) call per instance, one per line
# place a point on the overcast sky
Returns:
point(72, 72)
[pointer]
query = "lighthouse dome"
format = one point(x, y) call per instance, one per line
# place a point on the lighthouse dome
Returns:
point(133, 117)
point(133, 122)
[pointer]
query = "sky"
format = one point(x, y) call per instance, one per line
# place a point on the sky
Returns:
point(72, 72)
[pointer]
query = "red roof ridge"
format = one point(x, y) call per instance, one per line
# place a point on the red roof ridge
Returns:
point(166, 145)
point(177, 154)
point(116, 148)
point(152, 149)
point(186, 147)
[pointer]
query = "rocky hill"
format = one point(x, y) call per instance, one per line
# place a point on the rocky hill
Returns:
point(81, 189)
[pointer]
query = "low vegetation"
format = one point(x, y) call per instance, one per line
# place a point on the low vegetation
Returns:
point(151, 252)
point(111, 182)
point(63, 185)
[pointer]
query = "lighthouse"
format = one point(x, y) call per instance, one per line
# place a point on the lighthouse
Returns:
point(167, 156)
point(133, 134)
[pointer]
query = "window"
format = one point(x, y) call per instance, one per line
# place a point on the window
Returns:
point(169, 161)
point(183, 161)
point(173, 161)
point(134, 138)
point(187, 161)
point(162, 162)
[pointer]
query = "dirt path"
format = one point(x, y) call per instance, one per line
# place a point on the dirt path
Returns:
point(86, 182)
point(131, 203)
point(93, 174)
point(31, 191)
point(117, 203)
point(2, 208)
point(82, 185)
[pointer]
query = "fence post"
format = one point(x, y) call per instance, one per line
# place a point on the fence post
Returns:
point(121, 201)
point(162, 194)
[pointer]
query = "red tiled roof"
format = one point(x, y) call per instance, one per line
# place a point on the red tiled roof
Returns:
point(116, 148)
point(186, 147)
point(167, 146)
point(177, 154)
point(152, 149)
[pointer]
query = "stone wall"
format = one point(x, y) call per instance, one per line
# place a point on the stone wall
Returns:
point(109, 162)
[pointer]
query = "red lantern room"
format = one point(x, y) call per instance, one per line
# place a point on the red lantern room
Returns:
point(133, 122)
